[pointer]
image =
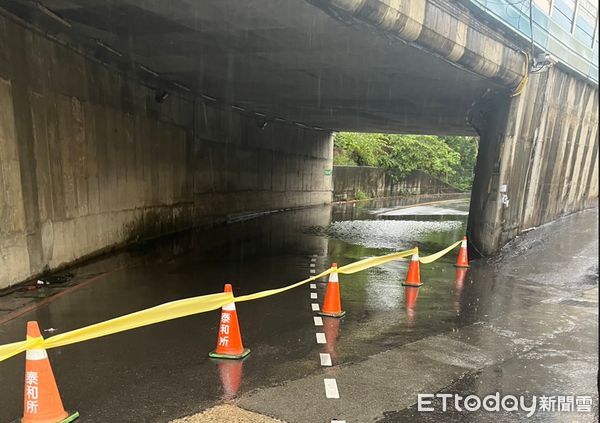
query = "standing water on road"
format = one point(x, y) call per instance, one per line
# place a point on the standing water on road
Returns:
point(161, 372)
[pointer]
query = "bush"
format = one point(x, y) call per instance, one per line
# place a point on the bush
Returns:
point(359, 195)
point(451, 159)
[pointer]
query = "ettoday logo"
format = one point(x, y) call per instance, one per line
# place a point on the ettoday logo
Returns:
point(508, 403)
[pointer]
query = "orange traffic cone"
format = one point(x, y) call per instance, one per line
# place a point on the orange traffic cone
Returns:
point(463, 258)
point(332, 306)
point(229, 340)
point(413, 278)
point(42, 403)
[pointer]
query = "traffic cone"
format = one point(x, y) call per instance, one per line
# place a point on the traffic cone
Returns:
point(332, 306)
point(231, 373)
point(229, 340)
point(42, 403)
point(463, 258)
point(413, 278)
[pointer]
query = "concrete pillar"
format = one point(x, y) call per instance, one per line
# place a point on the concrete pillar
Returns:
point(537, 156)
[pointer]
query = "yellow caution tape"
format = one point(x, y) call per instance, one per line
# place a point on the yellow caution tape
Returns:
point(195, 305)
point(439, 254)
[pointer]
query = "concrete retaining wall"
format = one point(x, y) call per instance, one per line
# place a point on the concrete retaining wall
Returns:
point(89, 160)
point(374, 182)
point(538, 157)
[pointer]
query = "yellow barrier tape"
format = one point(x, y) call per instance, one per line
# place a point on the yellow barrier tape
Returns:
point(357, 266)
point(160, 313)
point(190, 306)
point(433, 257)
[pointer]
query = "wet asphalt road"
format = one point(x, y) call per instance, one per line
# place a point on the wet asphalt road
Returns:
point(461, 336)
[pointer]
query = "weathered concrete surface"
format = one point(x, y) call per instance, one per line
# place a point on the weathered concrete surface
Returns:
point(303, 61)
point(443, 28)
point(538, 157)
point(85, 138)
point(90, 160)
point(349, 181)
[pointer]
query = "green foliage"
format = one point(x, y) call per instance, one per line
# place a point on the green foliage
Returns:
point(467, 148)
point(353, 148)
point(360, 195)
point(451, 159)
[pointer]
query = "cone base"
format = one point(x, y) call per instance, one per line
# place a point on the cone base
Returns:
point(215, 354)
point(336, 315)
point(412, 285)
point(71, 417)
point(462, 266)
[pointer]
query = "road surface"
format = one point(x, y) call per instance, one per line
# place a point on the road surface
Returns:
point(522, 323)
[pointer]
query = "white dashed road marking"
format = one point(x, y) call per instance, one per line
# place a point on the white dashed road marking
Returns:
point(331, 389)
point(325, 359)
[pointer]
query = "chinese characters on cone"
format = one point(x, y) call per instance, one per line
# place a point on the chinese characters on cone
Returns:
point(229, 340)
point(42, 403)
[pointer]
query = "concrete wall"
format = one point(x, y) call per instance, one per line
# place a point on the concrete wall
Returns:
point(538, 157)
point(348, 181)
point(89, 159)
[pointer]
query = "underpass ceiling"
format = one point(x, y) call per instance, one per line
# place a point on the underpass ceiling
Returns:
point(282, 58)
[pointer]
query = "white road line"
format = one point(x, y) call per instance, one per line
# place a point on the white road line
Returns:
point(313, 271)
point(315, 255)
point(320, 338)
point(313, 259)
point(313, 265)
point(325, 359)
point(313, 295)
point(313, 286)
point(331, 389)
point(338, 421)
point(315, 307)
point(318, 320)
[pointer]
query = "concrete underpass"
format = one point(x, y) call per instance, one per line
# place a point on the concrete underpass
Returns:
point(151, 152)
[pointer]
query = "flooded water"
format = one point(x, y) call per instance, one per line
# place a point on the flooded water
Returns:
point(160, 372)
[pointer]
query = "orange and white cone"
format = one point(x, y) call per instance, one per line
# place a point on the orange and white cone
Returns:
point(229, 340)
point(42, 403)
point(463, 258)
point(332, 306)
point(413, 278)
